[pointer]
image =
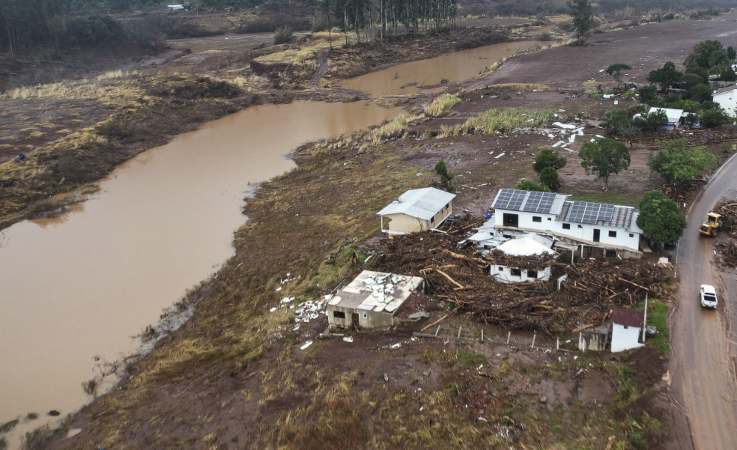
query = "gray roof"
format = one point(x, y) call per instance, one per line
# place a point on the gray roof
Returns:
point(529, 201)
point(421, 203)
point(590, 213)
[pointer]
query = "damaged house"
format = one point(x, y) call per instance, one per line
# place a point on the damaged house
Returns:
point(523, 260)
point(371, 301)
point(416, 210)
point(585, 225)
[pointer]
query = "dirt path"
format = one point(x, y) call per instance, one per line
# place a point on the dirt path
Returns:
point(702, 361)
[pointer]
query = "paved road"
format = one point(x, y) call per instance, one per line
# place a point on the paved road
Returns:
point(702, 362)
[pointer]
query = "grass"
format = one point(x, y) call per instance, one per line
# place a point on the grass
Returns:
point(392, 129)
point(442, 105)
point(470, 359)
point(522, 86)
point(617, 198)
point(499, 121)
point(305, 55)
point(657, 315)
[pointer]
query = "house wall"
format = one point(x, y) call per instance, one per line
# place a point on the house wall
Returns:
point(404, 224)
point(625, 338)
point(728, 102)
point(503, 274)
point(366, 319)
point(578, 232)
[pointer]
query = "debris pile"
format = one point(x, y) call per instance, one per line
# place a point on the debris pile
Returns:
point(461, 278)
point(728, 249)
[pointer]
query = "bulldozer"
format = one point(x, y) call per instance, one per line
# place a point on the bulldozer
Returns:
point(712, 225)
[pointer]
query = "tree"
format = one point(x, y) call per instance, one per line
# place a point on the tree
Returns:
point(700, 93)
point(548, 158)
point(650, 122)
point(446, 179)
point(666, 76)
point(529, 185)
point(620, 123)
point(583, 18)
point(707, 56)
point(731, 53)
point(605, 157)
point(714, 117)
point(615, 71)
point(727, 74)
point(680, 164)
point(660, 219)
point(648, 94)
point(550, 179)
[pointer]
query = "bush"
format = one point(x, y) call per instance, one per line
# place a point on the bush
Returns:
point(529, 185)
point(442, 105)
point(714, 117)
point(649, 94)
point(548, 158)
point(680, 164)
point(700, 93)
point(550, 179)
point(283, 35)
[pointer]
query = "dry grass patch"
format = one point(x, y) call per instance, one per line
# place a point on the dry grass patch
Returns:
point(442, 105)
point(393, 129)
point(499, 121)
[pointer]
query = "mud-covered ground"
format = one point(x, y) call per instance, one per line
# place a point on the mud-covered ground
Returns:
point(235, 376)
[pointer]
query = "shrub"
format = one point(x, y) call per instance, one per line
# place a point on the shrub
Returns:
point(548, 158)
point(283, 35)
point(446, 179)
point(680, 164)
point(700, 93)
point(442, 105)
point(529, 185)
point(714, 117)
point(648, 94)
point(550, 179)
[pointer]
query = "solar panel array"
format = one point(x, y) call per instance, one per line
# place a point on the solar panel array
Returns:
point(510, 199)
point(590, 213)
point(540, 202)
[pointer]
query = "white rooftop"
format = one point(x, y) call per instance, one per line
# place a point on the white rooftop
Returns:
point(377, 291)
point(531, 245)
point(674, 115)
point(421, 203)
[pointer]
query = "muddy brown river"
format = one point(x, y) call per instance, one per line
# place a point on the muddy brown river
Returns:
point(77, 288)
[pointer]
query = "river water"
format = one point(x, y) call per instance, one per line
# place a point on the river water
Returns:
point(78, 287)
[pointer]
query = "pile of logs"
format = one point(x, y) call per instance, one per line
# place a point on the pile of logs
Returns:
point(728, 248)
point(461, 278)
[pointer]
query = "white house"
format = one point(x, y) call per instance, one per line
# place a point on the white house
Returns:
point(371, 300)
point(523, 260)
point(609, 227)
point(626, 330)
point(727, 99)
point(175, 7)
point(416, 210)
point(676, 117)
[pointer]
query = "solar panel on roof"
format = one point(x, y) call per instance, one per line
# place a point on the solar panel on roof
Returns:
point(517, 198)
point(502, 201)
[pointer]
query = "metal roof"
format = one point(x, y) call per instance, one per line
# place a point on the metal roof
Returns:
point(421, 203)
point(674, 115)
point(529, 201)
point(526, 246)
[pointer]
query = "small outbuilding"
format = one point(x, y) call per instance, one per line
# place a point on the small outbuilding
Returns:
point(523, 260)
point(416, 210)
point(626, 329)
point(371, 300)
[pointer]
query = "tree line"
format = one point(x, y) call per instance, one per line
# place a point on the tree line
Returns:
point(379, 18)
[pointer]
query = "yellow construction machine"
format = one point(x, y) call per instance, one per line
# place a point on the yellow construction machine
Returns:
point(712, 224)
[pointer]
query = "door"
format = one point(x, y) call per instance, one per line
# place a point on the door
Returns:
point(510, 220)
point(354, 320)
point(597, 235)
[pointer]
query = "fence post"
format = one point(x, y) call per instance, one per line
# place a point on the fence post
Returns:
point(509, 335)
point(482, 334)
point(534, 335)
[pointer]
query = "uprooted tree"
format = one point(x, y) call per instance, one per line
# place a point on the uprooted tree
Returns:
point(660, 219)
point(605, 157)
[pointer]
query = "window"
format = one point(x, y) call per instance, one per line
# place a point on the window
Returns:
point(549, 219)
point(516, 272)
point(613, 234)
point(531, 273)
point(537, 219)
point(611, 254)
point(566, 226)
point(501, 269)
point(339, 314)
point(632, 235)
point(580, 226)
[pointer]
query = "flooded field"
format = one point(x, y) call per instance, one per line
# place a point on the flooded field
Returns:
point(80, 285)
point(410, 77)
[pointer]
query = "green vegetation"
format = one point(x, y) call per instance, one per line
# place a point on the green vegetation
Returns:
point(615, 71)
point(392, 129)
point(499, 121)
point(657, 316)
point(714, 117)
point(650, 122)
point(660, 219)
point(283, 35)
point(666, 77)
point(442, 105)
point(530, 185)
point(470, 359)
point(548, 157)
point(446, 178)
point(629, 199)
point(583, 18)
point(550, 179)
point(605, 157)
point(681, 164)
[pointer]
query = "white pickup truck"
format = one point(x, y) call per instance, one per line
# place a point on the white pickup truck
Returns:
point(708, 296)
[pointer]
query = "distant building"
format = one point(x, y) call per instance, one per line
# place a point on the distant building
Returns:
point(612, 228)
point(371, 300)
point(175, 7)
point(726, 98)
point(626, 330)
point(523, 260)
point(416, 210)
